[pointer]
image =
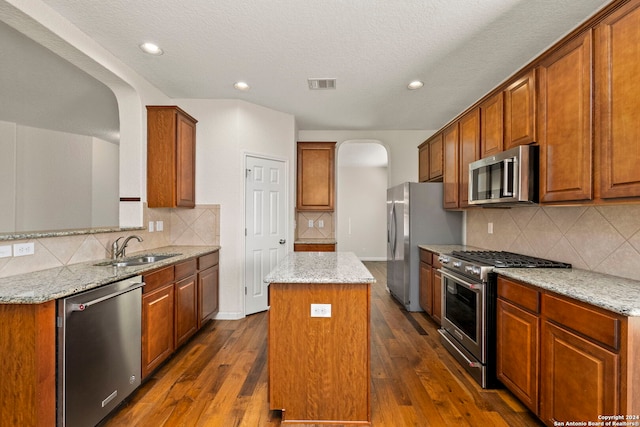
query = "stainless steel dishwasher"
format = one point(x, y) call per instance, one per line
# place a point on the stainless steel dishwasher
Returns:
point(99, 351)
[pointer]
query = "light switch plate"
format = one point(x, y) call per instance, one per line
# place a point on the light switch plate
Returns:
point(150, 226)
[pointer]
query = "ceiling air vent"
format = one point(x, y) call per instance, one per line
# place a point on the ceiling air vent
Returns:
point(318, 84)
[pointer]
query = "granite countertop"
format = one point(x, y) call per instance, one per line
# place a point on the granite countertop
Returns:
point(612, 293)
point(46, 285)
point(320, 267)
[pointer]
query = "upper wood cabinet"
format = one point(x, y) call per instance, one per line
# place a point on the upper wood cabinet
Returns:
point(430, 159)
point(171, 157)
point(469, 151)
point(491, 125)
point(316, 176)
point(451, 142)
point(565, 130)
point(617, 49)
point(520, 111)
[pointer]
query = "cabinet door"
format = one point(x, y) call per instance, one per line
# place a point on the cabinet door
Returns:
point(157, 327)
point(426, 288)
point(491, 126)
point(186, 305)
point(618, 100)
point(316, 176)
point(520, 112)
point(580, 380)
point(435, 158)
point(518, 334)
point(469, 151)
point(565, 122)
point(423, 162)
point(207, 294)
point(185, 162)
point(451, 167)
point(437, 295)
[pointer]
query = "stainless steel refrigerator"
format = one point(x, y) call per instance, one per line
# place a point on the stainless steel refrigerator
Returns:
point(415, 216)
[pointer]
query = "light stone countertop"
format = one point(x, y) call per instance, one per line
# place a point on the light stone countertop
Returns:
point(320, 267)
point(46, 285)
point(612, 293)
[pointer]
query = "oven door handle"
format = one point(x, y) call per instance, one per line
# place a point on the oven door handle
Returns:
point(472, 286)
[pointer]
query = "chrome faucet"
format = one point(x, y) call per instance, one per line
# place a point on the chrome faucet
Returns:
point(119, 252)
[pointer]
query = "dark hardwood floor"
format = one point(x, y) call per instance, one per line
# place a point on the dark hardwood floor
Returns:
point(219, 378)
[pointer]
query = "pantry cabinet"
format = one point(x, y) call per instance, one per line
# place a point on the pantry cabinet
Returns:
point(171, 157)
point(316, 176)
point(617, 49)
point(565, 131)
point(520, 111)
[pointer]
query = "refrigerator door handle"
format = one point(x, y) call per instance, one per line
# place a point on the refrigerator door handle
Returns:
point(394, 231)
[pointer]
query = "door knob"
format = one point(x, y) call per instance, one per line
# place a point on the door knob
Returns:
point(283, 241)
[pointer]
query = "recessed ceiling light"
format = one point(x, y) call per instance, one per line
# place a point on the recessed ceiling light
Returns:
point(416, 84)
point(151, 49)
point(241, 86)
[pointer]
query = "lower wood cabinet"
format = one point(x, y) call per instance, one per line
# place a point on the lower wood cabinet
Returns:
point(176, 302)
point(564, 359)
point(430, 293)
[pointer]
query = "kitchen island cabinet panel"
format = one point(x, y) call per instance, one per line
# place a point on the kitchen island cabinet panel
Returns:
point(319, 367)
point(28, 364)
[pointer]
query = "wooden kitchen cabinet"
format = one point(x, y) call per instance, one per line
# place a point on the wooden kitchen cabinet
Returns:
point(186, 301)
point(520, 111)
point(469, 129)
point(425, 293)
point(451, 144)
point(430, 159)
point(492, 125)
point(171, 155)
point(157, 324)
point(565, 132)
point(316, 176)
point(518, 338)
point(437, 289)
point(617, 50)
point(208, 283)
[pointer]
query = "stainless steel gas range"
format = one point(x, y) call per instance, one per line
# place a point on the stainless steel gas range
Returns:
point(469, 293)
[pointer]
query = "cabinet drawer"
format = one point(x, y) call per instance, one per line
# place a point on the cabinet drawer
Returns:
point(158, 278)
point(520, 295)
point(601, 327)
point(425, 256)
point(209, 260)
point(185, 269)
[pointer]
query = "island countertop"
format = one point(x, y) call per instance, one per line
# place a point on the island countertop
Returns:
point(320, 267)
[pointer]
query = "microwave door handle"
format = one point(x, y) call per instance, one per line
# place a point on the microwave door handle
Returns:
point(505, 177)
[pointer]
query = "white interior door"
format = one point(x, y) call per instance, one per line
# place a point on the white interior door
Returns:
point(265, 222)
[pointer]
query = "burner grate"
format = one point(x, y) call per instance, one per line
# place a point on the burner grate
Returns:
point(501, 259)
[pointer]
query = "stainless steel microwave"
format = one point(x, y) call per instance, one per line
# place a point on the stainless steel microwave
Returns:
point(508, 178)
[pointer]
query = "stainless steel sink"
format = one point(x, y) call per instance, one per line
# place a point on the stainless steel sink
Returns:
point(139, 260)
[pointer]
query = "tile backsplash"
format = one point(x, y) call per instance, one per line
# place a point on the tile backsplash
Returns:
point(605, 239)
point(198, 226)
point(303, 231)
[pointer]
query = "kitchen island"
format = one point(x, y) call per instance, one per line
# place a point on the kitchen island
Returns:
point(319, 338)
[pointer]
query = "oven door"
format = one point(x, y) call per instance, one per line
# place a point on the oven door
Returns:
point(463, 312)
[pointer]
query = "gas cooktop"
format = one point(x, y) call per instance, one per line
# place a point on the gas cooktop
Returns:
point(501, 259)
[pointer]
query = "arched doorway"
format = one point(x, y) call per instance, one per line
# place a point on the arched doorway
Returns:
point(362, 178)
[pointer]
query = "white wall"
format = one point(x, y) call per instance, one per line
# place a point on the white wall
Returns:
point(362, 217)
point(7, 175)
point(226, 131)
point(105, 190)
point(402, 146)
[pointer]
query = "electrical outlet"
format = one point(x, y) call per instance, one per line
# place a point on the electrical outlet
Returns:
point(320, 223)
point(490, 228)
point(150, 226)
point(320, 310)
point(159, 225)
point(5, 251)
point(310, 223)
point(22, 249)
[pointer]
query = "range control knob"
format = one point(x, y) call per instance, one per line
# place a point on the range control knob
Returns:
point(444, 259)
point(457, 264)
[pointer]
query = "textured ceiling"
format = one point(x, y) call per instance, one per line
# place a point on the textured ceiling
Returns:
point(461, 49)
